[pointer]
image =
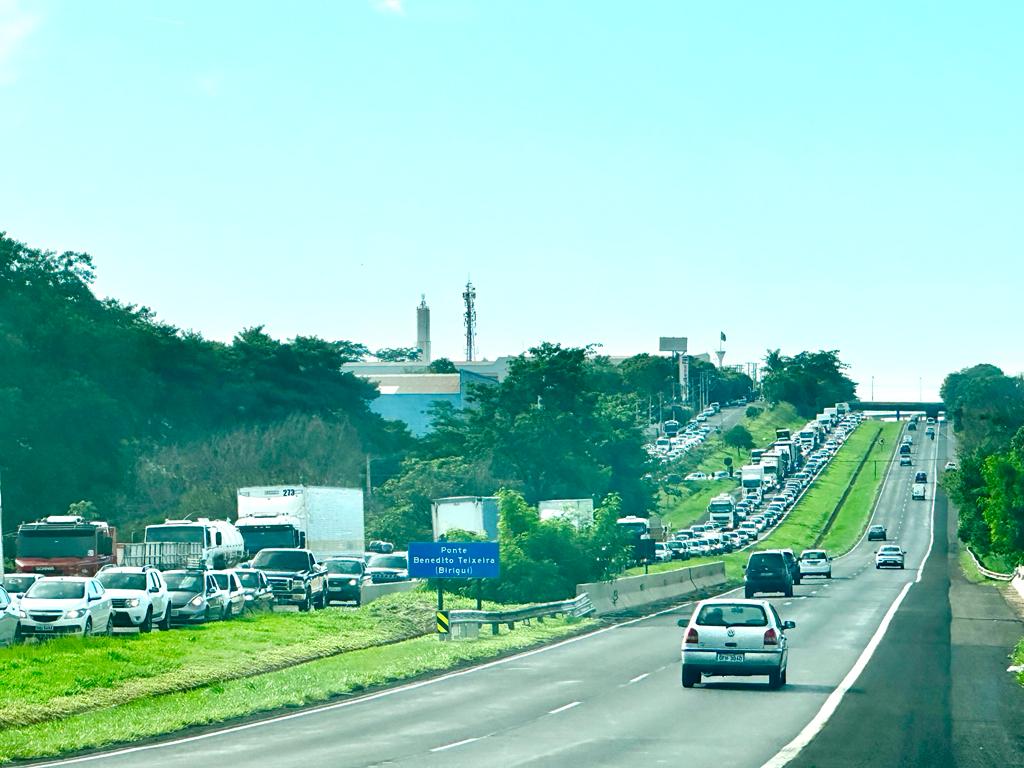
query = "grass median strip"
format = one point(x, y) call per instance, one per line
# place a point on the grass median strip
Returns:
point(305, 684)
point(58, 678)
point(804, 522)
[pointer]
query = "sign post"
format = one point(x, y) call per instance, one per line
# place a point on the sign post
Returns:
point(442, 560)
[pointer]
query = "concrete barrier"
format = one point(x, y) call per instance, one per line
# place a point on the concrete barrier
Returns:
point(637, 591)
point(1018, 580)
point(372, 591)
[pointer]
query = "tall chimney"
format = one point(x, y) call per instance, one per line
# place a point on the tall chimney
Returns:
point(423, 329)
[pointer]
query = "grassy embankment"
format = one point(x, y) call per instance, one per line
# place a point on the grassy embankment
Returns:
point(806, 520)
point(692, 503)
point(71, 694)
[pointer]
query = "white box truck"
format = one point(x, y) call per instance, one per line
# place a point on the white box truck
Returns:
point(475, 514)
point(752, 476)
point(328, 521)
point(579, 512)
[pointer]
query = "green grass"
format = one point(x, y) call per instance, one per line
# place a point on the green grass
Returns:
point(301, 685)
point(849, 524)
point(970, 570)
point(1018, 660)
point(66, 676)
point(692, 503)
point(804, 522)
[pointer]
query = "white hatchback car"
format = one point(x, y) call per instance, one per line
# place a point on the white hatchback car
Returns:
point(815, 562)
point(66, 605)
point(139, 597)
point(735, 637)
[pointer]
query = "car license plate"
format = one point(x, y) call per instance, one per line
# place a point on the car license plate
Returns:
point(44, 627)
point(729, 657)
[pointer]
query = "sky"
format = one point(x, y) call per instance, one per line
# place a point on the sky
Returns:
point(798, 175)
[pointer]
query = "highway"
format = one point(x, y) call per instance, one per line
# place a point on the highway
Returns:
point(857, 696)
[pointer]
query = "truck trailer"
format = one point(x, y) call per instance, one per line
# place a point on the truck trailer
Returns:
point(326, 520)
point(474, 514)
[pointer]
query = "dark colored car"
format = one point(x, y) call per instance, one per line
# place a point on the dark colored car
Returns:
point(767, 572)
point(256, 588)
point(345, 579)
point(384, 569)
point(921, 477)
point(793, 563)
point(877, 533)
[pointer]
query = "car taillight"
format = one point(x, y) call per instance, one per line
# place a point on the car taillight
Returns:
point(771, 637)
point(691, 636)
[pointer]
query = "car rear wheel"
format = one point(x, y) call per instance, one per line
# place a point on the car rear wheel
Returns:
point(147, 623)
point(88, 628)
point(110, 625)
point(748, 593)
point(690, 677)
point(225, 613)
point(788, 592)
point(165, 622)
point(774, 680)
point(828, 575)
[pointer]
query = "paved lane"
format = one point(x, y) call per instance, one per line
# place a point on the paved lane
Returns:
point(608, 699)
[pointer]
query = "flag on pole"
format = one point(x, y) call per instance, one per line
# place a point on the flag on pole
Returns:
point(722, 333)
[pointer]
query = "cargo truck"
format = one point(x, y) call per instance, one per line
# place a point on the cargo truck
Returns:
point(326, 520)
point(579, 512)
point(722, 511)
point(752, 476)
point(638, 532)
point(173, 544)
point(65, 545)
point(475, 514)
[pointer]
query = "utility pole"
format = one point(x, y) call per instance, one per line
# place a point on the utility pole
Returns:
point(1, 525)
point(369, 482)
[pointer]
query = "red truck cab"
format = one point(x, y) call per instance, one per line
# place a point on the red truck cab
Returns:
point(65, 545)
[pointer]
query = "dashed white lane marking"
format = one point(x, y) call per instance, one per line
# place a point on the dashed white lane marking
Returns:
point(789, 603)
point(455, 744)
point(567, 706)
point(638, 678)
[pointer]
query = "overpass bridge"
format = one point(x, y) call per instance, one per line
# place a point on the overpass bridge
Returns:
point(899, 407)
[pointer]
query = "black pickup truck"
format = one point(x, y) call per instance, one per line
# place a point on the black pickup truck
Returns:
point(295, 576)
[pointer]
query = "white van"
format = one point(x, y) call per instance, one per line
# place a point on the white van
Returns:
point(917, 492)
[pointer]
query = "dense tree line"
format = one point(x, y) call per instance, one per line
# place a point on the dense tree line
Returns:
point(100, 401)
point(809, 380)
point(987, 411)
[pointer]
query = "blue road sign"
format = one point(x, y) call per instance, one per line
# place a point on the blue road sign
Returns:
point(454, 560)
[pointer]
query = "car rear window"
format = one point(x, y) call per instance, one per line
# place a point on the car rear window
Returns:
point(766, 560)
point(732, 615)
point(813, 555)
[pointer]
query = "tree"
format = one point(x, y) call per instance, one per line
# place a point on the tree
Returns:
point(398, 354)
point(753, 412)
point(739, 437)
point(810, 380)
point(442, 365)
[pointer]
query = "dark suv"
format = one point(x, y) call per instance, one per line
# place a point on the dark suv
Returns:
point(767, 572)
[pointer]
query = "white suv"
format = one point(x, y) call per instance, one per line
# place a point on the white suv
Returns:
point(139, 597)
point(66, 605)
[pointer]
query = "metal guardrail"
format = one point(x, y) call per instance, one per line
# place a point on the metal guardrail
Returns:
point(577, 607)
point(985, 571)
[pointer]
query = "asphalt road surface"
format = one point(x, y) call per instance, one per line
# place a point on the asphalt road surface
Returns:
point(614, 698)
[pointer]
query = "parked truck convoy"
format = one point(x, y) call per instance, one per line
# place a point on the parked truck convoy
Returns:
point(475, 514)
point(65, 545)
point(326, 520)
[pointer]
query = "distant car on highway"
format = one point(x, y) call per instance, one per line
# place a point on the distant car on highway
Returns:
point(662, 553)
point(17, 584)
point(383, 569)
point(815, 562)
point(345, 579)
point(920, 477)
point(696, 476)
point(767, 571)
point(889, 556)
point(735, 637)
point(906, 460)
point(877, 533)
point(195, 597)
point(950, 466)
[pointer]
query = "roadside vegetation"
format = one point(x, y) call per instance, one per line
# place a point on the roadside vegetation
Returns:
point(301, 685)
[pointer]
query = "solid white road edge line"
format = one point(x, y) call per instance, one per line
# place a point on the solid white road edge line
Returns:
point(813, 728)
point(567, 706)
point(359, 700)
point(455, 744)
